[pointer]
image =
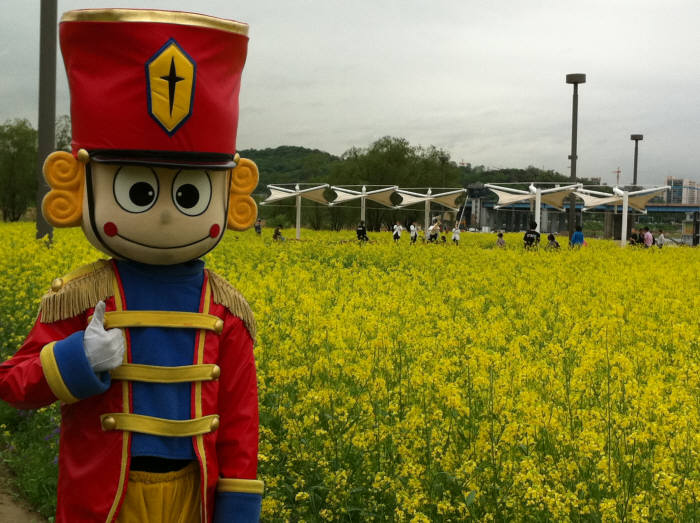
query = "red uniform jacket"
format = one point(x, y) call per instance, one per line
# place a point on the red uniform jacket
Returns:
point(94, 452)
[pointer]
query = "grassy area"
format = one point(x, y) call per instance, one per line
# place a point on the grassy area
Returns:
point(438, 383)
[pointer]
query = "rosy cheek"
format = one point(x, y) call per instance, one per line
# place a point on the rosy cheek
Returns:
point(110, 229)
point(214, 231)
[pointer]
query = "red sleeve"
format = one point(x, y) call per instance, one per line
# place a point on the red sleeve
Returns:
point(237, 440)
point(22, 380)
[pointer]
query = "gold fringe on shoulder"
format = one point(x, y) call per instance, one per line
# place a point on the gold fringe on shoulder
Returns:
point(225, 294)
point(78, 291)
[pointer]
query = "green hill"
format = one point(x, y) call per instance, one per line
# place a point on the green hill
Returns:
point(290, 164)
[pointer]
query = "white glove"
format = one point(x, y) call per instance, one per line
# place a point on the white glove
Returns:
point(104, 348)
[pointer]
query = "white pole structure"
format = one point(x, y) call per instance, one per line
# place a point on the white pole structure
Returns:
point(362, 204)
point(298, 198)
point(427, 223)
point(538, 208)
point(315, 194)
point(625, 212)
point(382, 196)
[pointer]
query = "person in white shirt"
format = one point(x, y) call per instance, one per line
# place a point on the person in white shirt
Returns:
point(434, 230)
point(414, 233)
point(455, 234)
point(397, 231)
point(660, 239)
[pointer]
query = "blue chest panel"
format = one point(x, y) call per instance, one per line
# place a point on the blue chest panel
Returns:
point(162, 288)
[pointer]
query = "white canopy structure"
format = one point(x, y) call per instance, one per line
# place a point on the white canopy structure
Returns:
point(638, 200)
point(593, 199)
point(554, 197)
point(447, 199)
point(382, 196)
point(315, 194)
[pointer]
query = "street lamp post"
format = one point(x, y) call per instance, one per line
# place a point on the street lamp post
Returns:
point(575, 79)
point(47, 106)
point(636, 138)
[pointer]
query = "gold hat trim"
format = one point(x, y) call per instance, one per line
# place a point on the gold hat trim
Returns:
point(161, 17)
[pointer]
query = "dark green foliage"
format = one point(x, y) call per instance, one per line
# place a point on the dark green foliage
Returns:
point(18, 152)
point(290, 164)
point(31, 453)
point(63, 133)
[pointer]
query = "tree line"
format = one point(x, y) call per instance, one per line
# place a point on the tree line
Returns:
point(387, 161)
point(18, 167)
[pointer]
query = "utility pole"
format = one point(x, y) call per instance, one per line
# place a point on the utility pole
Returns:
point(636, 138)
point(47, 106)
point(575, 79)
point(617, 172)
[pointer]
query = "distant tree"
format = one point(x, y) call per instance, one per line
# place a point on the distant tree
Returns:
point(18, 152)
point(63, 133)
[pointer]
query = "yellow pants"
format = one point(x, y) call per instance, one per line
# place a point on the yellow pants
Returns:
point(170, 497)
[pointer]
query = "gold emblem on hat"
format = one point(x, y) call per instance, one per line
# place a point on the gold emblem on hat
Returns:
point(170, 74)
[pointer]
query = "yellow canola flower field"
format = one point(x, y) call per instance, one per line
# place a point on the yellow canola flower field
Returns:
point(442, 383)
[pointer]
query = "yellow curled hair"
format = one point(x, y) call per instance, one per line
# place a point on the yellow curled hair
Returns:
point(63, 205)
point(242, 210)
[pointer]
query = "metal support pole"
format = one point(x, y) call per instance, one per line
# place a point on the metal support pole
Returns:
point(47, 106)
point(298, 212)
point(575, 79)
point(574, 140)
point(636, 138)
point(538, 209)
point(362, 204)
point(625, 212)
point(427, 211)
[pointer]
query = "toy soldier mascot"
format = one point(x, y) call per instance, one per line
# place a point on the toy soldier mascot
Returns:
point(150, 354)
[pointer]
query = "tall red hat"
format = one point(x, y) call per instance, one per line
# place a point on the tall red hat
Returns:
point(154, 86)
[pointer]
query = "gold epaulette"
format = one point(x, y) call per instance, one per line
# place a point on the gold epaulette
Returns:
point(225, 294)
point(77, 292)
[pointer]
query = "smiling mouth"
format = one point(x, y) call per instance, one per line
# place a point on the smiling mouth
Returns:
point(158, 247)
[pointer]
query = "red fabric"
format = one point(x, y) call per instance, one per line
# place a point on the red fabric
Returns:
point(106, 67)
point(90, 458)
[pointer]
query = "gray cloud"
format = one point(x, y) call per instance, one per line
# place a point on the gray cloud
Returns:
point(482, 79)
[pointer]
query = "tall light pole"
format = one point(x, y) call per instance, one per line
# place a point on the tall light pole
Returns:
point(575, 78)
point(636, 138)
point(47, 105)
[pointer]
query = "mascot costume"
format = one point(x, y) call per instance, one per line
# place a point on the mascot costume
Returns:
point(149, 353)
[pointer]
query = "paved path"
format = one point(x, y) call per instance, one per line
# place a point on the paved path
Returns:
point(13, 510)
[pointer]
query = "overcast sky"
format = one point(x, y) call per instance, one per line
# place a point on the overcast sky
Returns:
point(482, 79)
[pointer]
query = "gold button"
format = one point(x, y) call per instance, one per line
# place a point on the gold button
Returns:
point(109, 423)
point(216, 372)
point(215, 424)
point(219, 325)
point(83, 155)
point(236, 158)
point(57, 285)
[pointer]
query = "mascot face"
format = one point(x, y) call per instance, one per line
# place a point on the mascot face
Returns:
point(154, 215)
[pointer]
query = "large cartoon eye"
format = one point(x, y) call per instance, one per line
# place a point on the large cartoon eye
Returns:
point(192, 192)
point(135, 188)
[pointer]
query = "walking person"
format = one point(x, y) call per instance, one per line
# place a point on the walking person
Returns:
point(455, 235)
point(577, 239)
point(397, 232)
point(277, 234)
point(500, 242)
point(414, 233)
point(531, 239)
point(258, 227)
point(660, 239)
point(362, 232)
point(552, 243)
point(648, 238)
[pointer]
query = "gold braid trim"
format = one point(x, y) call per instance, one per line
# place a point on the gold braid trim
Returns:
point(77, 292)
point(225, 294)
